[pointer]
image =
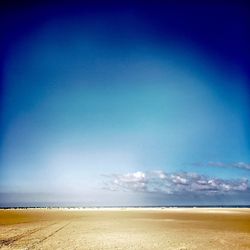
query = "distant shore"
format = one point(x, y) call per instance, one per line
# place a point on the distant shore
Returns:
point(126, 207)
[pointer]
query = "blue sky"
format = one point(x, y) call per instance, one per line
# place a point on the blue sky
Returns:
point(124, 105)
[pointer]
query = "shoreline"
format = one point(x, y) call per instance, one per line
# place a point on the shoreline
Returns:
point(163, 209)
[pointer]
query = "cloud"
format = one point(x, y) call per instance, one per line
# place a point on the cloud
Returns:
point(132, 181)
point(173, 183)
point(241, 165)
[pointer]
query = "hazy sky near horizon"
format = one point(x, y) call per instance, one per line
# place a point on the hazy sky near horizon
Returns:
point(125, 104)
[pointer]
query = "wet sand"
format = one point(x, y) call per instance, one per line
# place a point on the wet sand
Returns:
point(180, 228)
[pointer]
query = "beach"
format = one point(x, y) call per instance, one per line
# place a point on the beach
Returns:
point(125, 228)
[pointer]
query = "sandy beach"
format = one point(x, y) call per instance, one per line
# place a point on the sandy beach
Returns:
point(125, 228)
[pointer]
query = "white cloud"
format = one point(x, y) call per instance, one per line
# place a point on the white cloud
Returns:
point(241, 165)
point(132, 181)
point(174, 183)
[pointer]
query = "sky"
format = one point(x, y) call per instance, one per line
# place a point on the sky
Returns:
point(130, 104)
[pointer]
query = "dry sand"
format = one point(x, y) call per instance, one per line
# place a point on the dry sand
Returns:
point(194, 228)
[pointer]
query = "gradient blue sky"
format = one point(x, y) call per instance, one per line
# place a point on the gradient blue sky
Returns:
point(99, 102)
